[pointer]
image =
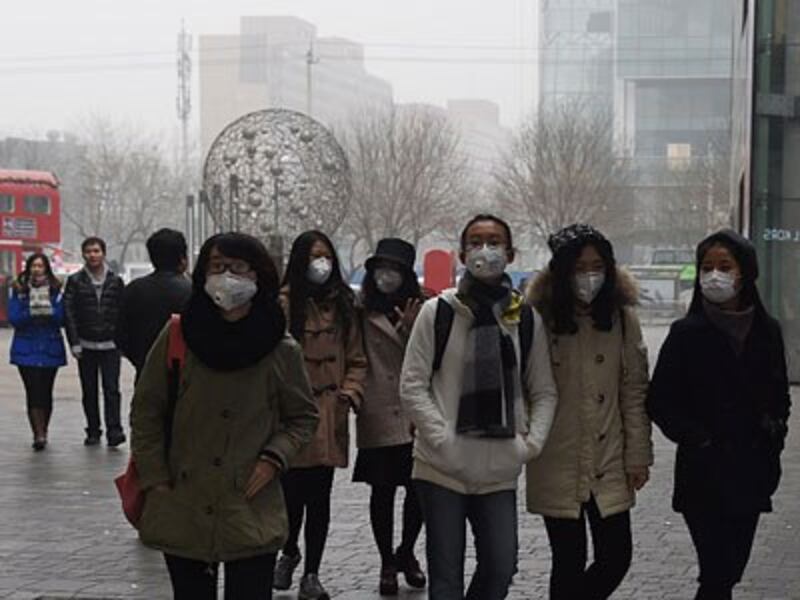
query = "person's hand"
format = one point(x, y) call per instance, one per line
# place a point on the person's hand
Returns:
point(637, 477)
point(76, 352)
point(263, 473)
point(161, 487)
point(408, 315)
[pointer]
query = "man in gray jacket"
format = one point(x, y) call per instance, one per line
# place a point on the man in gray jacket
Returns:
point(478, 385)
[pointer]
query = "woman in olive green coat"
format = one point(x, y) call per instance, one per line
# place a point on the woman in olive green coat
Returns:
point(244, 409)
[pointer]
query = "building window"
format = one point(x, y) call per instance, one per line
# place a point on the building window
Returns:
point(6, 203)
point(38, 205)
point(679, 156)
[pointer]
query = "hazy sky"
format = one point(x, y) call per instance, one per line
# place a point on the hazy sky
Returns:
point(62, 60)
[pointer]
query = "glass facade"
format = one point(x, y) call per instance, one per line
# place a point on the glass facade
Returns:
point(774, 203)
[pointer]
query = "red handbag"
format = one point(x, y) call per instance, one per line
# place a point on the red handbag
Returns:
point(128, 487)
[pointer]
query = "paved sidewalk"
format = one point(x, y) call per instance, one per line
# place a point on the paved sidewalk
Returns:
point(62, 534)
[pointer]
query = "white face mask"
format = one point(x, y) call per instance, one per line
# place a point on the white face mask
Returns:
point(718, 287)
point(319, 270)
point(388, 281)
point(587, 285)
point(486, 263)
point(229, 291)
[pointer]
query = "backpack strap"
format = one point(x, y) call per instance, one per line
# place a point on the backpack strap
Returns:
point(176, 356)
point(526, 322)
point(442, 325)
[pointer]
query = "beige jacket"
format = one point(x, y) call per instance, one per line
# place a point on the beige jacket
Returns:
point(381, 420)
point(336, 366)
point(601, 428)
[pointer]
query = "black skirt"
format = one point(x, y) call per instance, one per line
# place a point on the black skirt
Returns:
point(389, 465)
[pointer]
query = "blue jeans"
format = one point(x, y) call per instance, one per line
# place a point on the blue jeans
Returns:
point(493, 519)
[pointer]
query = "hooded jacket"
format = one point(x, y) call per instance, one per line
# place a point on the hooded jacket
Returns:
point(464, 464)
point(601, 428)
point(726, 412)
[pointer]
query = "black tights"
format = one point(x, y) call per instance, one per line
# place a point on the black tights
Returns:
point(38, 383)
point(308, 491)
point(381, 514)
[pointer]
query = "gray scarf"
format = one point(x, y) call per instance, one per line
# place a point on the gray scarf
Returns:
point(486, 406)
point(734, 324)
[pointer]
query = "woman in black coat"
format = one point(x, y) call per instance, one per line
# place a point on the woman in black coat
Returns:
point(720, 391)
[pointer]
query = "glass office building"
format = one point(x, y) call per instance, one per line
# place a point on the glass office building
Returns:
point(765, 174)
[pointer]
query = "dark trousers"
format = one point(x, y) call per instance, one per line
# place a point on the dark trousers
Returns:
point(308, 493)
point(381, 516)
point(246, 579)
point(107, 363)
point(493, 519)
point(723, 545)
point(38, 382)
point(570, 579)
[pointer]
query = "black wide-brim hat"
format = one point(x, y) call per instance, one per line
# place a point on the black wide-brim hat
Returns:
point(396, 251)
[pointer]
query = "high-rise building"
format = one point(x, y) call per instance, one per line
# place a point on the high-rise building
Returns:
point(576, 51)
point(279, 61)
point(765, 179)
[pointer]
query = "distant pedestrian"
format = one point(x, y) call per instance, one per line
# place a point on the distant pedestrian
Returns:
point(599, 450)
point(478, 385)
point(390, 299)
point(244, 409)
point(36, 311)
point(148, 302)
point(321, 313)
point(92, 299)
point(721, 393)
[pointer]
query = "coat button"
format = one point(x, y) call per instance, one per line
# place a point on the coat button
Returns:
point(601, 437)
point(599, 358)
point(599, 475)
point(225, 414)
point(209, 510)
point(217, 462)
point(601, 398)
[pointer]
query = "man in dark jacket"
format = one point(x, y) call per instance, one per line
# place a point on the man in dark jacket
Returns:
point(91, 302)
point(148, 301)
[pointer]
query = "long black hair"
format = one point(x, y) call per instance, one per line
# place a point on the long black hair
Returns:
point(23, 282)
point(334, 290)
point(562, 270)
point(373, 300)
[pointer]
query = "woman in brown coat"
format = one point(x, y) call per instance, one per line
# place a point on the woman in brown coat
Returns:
point(321, 313)
point(391, 298)
point(599, 450)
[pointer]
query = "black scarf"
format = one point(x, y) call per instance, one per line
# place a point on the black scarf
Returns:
point(231, 345)
point(486, 406)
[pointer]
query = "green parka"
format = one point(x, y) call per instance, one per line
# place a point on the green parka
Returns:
point(223, 420)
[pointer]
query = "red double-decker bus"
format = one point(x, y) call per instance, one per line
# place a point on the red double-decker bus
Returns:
point(30, 221)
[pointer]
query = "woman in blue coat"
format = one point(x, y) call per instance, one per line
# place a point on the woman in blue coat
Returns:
point(36, 312)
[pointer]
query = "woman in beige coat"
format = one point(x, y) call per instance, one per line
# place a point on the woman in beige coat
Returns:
point(321, 314)
point(599, 450)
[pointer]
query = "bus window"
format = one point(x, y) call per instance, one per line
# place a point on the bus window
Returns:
point(39, 205)
point(8, 262)
point(6, 203)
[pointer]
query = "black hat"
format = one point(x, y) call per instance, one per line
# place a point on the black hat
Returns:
point(576, 236)
point(396, 251)
point(742, 249)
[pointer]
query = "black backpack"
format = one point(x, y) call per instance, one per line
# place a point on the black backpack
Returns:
point(443, 323)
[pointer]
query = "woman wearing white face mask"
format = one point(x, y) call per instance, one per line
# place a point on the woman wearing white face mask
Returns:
point(244, 408)
point(391, 299)
point(599, 450)
point(720, 392)
point(321, 312)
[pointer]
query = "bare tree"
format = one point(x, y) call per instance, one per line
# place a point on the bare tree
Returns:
point(562, 168)
point(126, 187)
point(408, 176)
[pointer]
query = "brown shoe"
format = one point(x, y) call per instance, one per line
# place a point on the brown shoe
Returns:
point(388, 585)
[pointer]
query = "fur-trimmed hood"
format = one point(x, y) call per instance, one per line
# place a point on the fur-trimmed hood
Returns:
point(539, 291)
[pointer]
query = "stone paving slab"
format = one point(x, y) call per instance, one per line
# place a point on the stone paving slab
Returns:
point(62, 534)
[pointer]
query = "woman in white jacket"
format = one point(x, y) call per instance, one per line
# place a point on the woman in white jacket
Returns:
point(477, 422)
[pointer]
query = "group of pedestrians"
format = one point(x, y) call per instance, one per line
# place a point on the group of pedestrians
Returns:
point(241, 413)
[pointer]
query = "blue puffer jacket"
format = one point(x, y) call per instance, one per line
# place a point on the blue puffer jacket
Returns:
point(37, 340)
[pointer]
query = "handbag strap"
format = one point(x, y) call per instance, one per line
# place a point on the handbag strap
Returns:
point(176, 356)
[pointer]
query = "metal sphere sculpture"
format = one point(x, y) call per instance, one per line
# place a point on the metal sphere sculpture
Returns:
point(277, 172)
